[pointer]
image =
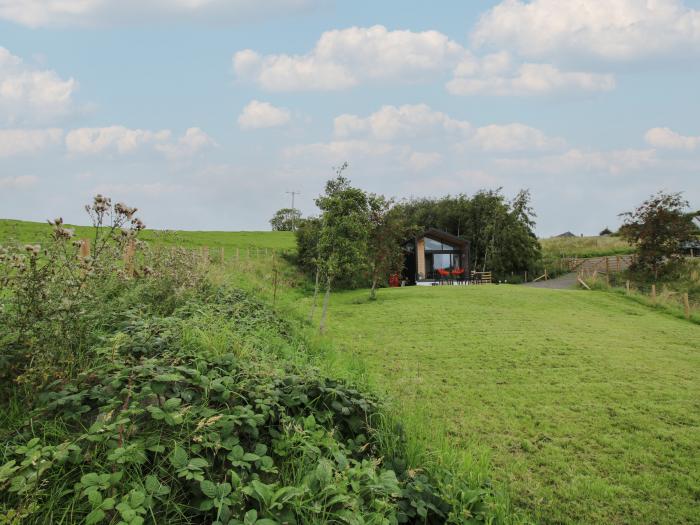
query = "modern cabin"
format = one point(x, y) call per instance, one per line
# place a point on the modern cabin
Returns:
point(432, 252)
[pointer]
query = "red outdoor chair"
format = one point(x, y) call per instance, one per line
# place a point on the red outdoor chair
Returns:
point(444, 274)
point(458, 273)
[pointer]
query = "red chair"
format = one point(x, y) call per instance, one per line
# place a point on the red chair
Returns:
point(444, 274)
point(458, 273)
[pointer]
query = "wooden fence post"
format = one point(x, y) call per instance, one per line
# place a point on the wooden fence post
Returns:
point(238, 254)
point(129, 252)
point(221, 254)
point(627, 286)
point(525, 275)
point(653, 293)
point(686, 305)
point(545, 274)
point(85, 248)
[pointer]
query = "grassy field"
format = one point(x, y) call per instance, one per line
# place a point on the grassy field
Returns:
point(587, 403)
point(584, 246)
point(37, 232)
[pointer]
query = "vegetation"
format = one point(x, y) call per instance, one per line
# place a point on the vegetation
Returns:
point(233, 243)
point(657, 229)
point(177, 400)
point(285, 220)
point(582, 247)
point(500, 232)
point(575, 396)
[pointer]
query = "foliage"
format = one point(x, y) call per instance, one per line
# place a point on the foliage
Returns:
point(342, 243)
point(285, 220)
point(189, 404)
point(307, 234)
point(388, 230)
point(657, 228)
point(500, 232)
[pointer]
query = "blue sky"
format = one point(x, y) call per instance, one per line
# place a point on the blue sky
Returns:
point(202, 113)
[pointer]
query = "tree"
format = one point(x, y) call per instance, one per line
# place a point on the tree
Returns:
point(285, 220)
point(658, 227)
point(342, 243)
point(388, 230)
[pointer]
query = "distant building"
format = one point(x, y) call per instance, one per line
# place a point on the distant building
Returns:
point(433, 251)
point(691, 248)
point(566, 234)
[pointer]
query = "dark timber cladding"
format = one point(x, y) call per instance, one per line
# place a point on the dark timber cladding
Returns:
point(434, 250)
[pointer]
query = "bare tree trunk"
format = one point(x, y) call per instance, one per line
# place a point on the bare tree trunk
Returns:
point(326, 298)
point(373, 291)
point(313, 304)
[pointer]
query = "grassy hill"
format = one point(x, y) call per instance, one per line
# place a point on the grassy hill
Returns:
point(555, 247)
point(37, 232)
point(586, 403)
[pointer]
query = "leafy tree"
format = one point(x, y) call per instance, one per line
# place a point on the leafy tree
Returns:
point(658, 227)
point(388, 229)
point(500, 232)
point(285, 220)
point(605, 231)
point(342, 244)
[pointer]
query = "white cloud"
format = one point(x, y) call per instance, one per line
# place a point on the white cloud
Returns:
point(338, 151)
point(392, 122)
point(27, 141)
point(258, 114)
point(344, 58)
point(41, 13)
point(421, 161)
point(514, 137)
point(614, 162)
point(191, 143)
point(665, 138)
point(21, 182)
point(90, 141)
point(496, 75)
point(122, 140)
point(607, 29)
point(31, 94)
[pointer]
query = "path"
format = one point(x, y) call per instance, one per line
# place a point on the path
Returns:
point(568, 280)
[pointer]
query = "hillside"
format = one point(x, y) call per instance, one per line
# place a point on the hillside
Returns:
point(585, 402)
point(37, 232)
point(581, 247)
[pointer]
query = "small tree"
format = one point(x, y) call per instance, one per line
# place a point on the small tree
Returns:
point(658, 227)
point(285, 220)
point(388, 229)
point(342, 244)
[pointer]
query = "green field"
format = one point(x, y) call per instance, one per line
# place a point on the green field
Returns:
point(554, 247)
point(587, 403)
point(232, 242)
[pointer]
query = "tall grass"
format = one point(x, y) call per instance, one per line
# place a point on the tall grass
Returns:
point(583, 247)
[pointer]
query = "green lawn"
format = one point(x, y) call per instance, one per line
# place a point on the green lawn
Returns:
point(588, 403)
point(37, 232)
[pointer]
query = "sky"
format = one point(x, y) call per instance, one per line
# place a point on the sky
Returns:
point(205, 113)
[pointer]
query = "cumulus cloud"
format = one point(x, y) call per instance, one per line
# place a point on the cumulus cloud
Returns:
point(497, 75)
point(31, 94)
point(665, 138)
point(27, 141)
point(190, 144)
point(614, 162)
point(258, 114)
point(423, 160)
point(514, 137)
point(42, 13)
point(21, 182)
point(344, 58)
point(607, 29)
point(392, 123)
point(122, 140)
point(338, 151)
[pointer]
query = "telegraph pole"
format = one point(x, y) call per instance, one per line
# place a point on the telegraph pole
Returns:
point(293, 193)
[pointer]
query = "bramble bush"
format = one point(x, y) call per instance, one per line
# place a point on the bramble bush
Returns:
point(189, 404)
